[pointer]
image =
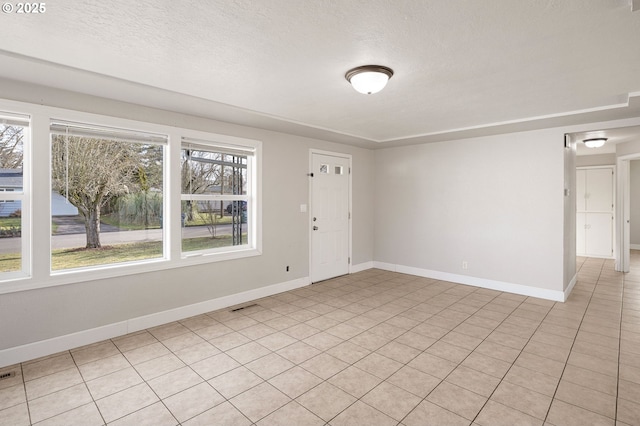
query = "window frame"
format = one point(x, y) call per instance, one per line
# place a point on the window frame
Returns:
point(217, 147)
point(120, 135)
point(24, 196)
point(253, 197)
point(37, 219)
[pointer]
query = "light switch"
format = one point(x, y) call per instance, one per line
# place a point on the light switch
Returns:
point(303, 208)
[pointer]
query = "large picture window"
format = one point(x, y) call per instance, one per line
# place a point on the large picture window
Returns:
point(216, 197)
point(13, 138)
point(107, 199)
point(117, 197)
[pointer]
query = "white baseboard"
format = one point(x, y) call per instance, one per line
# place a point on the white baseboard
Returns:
point(634, 246)
point(385, 266)
point(54, 345)
point(361, 267)
point(555, 295)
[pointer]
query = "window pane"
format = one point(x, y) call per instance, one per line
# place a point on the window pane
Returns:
point(11, 184)
point(210, 220)
point(210, 172)
point(213, 224)
point(107, 201)
point(10, 236)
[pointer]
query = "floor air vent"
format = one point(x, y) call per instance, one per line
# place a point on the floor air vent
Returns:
point(7, 375)
point(243, 307)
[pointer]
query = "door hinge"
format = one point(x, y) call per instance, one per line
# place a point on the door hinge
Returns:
point(349, 215)
point(349, 170)
point(349, 260)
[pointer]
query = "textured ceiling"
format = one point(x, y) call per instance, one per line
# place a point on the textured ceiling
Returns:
point(462, 67)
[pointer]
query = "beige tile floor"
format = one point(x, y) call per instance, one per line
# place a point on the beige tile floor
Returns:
point(373, 348)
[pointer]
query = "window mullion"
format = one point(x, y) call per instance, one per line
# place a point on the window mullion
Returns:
point(39, 175)
point(173, 185)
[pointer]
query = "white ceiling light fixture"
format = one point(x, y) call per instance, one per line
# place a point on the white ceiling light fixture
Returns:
point(369, 79)
point(594, 142)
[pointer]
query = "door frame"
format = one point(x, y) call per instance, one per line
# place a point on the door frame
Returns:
point(623, 214)
point(348, 157)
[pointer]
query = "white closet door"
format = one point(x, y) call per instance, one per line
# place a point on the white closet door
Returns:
point(599, 232)
point(599, 190)
point(581, 234)
point(594, 205)
point(581, 190)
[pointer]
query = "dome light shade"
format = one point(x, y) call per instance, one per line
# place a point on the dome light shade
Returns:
point(369, 79)
point(595, 142)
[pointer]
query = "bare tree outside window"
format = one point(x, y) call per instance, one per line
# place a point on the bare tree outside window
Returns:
point(11, 148)
point(92, 172)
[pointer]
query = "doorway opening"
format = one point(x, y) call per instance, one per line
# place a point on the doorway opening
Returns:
point(622, 147)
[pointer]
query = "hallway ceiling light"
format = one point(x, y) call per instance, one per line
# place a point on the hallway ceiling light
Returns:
point(369, 79)
point(594, 142)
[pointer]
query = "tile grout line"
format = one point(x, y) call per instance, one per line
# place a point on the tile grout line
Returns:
point(553, 398)
point(620, 346)
point(384, 290)
point(460, 363)
point(373, 351)
point(514, 361)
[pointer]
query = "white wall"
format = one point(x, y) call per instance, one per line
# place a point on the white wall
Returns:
point(36, 315)
point(495, 202)
point(596, 160)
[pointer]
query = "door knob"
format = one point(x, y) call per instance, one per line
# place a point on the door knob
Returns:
point(315, 228)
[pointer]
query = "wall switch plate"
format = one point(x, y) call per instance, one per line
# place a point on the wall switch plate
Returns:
point(303, 208)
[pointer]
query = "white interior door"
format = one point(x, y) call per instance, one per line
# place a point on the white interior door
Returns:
point(329, 216)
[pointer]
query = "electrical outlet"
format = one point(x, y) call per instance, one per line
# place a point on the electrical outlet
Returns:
point(465, 265)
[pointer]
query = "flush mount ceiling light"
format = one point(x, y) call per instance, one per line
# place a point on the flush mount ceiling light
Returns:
point(369, 79)
point(594, 142)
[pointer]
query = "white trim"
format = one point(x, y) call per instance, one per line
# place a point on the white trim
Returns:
point(623, 214)
point(54, 345)
point(558, 296)
point(607, 166)
point(361, 267)
point(569, 288)
point(385, 266)
point(634, 246)
point(595, 256)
